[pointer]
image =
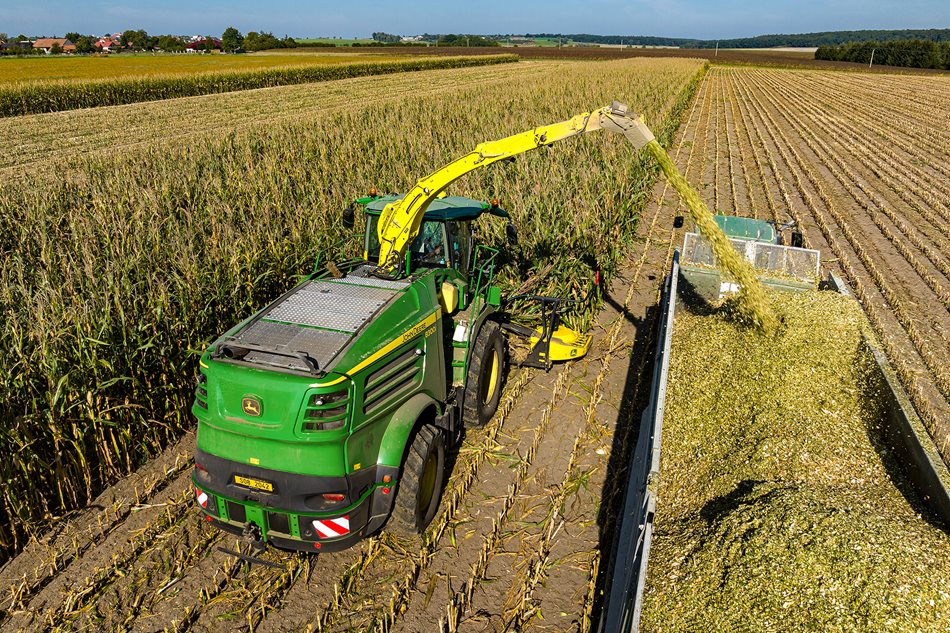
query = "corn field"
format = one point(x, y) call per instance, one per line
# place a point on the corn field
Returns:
point(120, 267)
point(116, 273)
point(54, 96)
point(83, 67)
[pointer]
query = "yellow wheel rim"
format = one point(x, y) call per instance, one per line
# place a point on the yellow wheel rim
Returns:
point(494, 374)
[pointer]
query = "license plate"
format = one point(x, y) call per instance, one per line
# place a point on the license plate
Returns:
point(257, 484)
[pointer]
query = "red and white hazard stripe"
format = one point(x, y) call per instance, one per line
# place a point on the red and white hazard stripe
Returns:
point(202, 497)
point(332, 528)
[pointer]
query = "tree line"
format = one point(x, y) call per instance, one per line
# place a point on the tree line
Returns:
point(760, 41)
point(908, 53)
point(829, 38)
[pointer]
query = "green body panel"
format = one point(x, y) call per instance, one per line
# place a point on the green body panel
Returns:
point(396, 437)
point(275, 439)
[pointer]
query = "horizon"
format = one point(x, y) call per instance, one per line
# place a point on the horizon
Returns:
point(368, 36)
point(682, 19)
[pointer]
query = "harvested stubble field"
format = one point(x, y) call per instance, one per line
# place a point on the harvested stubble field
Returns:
point(775, 57)
point(118, 270)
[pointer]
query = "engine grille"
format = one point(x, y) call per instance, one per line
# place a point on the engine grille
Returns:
point(319, 318)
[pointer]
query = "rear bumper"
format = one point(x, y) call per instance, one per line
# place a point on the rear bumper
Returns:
point(294, 515)
point(312, 545)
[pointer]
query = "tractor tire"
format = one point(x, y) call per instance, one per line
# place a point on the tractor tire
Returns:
point(486, 371)
point(420, 488)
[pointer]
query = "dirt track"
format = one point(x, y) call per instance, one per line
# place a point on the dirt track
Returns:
point(528, 510)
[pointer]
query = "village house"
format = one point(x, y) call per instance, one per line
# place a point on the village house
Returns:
point(46, 44)
point(107, 44)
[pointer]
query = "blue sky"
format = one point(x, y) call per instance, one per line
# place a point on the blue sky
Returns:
point(703, 19)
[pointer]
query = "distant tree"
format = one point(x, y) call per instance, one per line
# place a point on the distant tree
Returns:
point(231, 39)
point(912, 53)
point(72, 37)
point(85, 44)
point(170, 44)
point(465, 40)
point(387, 38)
point(255, 41)
point(138, 40)
point(3, 37)
point(55, 49)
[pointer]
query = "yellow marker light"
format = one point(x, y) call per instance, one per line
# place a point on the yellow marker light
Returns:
point(254, 460)
point(356, 466)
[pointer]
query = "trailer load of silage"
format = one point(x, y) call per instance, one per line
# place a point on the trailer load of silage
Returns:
point(780, 507)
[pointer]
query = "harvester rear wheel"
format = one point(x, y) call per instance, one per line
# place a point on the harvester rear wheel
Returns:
point(420, 489)
point(486, 370)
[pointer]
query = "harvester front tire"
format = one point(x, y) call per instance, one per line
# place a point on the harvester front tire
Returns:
point(486, 371)
point(420, 488)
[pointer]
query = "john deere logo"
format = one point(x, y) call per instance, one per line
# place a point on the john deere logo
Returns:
point(251, 406)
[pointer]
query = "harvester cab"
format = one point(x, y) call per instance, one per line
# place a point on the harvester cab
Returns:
point(328, 414)
point(446, 240)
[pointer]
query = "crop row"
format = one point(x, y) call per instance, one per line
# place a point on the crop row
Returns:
point(870, 202)
point(538, 538)
point(54, 96)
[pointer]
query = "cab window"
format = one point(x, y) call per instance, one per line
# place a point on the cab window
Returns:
point(429, 247)
point(460, 243)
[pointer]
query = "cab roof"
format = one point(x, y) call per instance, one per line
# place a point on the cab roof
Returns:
point(441, 209)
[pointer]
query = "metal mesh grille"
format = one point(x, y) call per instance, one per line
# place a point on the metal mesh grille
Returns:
point(331, 305)
point(774, 259)
point(321, 345)
point(362, 277)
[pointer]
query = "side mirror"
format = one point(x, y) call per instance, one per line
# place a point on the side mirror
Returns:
point(678, 222)
point(511, 233)
point(349, 217)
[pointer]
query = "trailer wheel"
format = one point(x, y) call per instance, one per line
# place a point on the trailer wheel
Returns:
point(486, 370)
point(420, 488)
